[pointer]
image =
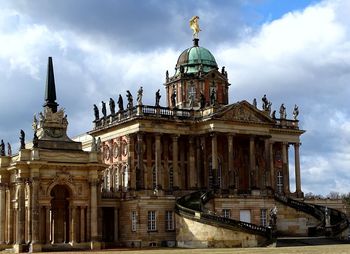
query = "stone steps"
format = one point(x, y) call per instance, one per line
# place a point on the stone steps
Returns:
point(308, 241)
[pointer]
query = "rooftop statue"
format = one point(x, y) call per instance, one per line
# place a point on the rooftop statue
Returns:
point(158, 97)
point(195, 26)
point(112, 106)
point(120, 103)
point(283, 114)
point(104, 111)
point(22, 140)
point(212, 97)
point(139, 96)
point(96, 112)
point(130, 99)
point(202, 100)
point(2, 148)
point(9, 149)
point(295, 112)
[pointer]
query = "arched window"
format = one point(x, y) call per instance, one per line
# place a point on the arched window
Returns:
point(279, 182)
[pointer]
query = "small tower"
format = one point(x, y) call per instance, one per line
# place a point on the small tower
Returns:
point(50, 89)
point(196, 75)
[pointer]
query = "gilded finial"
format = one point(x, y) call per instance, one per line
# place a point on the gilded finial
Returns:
point(195, 26)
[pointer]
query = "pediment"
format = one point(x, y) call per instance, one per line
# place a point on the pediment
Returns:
point(243, 111)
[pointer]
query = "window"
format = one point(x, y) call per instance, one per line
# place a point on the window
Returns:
point(133, 221)
point(152, 221)
point(279, 182)
point(263, 217)
point(169, 220)
point(191, 92)
point(226, 213)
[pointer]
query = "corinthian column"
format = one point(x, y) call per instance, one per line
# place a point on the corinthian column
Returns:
point(158, 160)
point(175, 161)
point(214, 158)
point(297, 168)
point(2, 213)
point(21, 213)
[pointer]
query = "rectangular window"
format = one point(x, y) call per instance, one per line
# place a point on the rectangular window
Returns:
point(133, 221)
point(226, 213)
point(263, 217)
point(169, 220)
point(152, 221)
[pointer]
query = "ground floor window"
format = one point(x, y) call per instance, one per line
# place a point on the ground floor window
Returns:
point(263, 217)
point(169, 220)
point(226, 213)
point(133, 221)
point(152, 226)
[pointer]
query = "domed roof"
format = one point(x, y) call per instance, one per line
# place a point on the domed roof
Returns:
point(195, 59)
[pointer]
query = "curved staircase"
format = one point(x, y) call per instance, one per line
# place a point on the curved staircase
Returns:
point(338, 221)
point(192, 206)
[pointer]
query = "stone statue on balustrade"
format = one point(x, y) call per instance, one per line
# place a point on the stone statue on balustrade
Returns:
point(120, 103)
point(98, 144)
point(255, 104)
point(9, 149)
point(22, 140)
point(158, 96)
point(2, 148)
point(104, 110)
point(96, 112)
point(112, 106)
point(139, 96)
point(173, 98)
point(191, 100)
point(283, 114)
point(295, 112)
point(130, 100)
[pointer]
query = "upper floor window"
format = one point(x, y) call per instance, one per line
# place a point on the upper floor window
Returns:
point(279, 182)
point(263, 217)
point(169, 220)
point(226, 213)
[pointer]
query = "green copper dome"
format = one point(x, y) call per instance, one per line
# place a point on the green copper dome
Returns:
point(195, 59)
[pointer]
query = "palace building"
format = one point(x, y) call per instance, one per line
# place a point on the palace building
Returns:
point(197, 172)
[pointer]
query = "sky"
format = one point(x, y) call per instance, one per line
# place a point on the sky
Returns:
point(295, 52)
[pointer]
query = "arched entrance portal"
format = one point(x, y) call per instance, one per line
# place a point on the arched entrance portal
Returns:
point(60, 214)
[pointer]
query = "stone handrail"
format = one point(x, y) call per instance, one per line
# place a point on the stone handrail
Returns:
point(192, 206)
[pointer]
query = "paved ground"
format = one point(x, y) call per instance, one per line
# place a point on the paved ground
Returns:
point(324, 249)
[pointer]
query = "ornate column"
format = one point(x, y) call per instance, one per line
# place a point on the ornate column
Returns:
point(131, 166)
point(252, 173)
point(158, 160)
point(21, 213)
point(82, 224)
point(272, 166)
point(48, 225)
point(116, 224)
point(267, 158)
point(285, 167)
point(140, 179)
point(297, 168)
point(73, 224)
point(214, 158)
point(93, 215)
point(175, 139)
point(2, 212)
point(205, 162)
point(35, 214)
point(230, 159)
point(191, 165)
point(198, 163)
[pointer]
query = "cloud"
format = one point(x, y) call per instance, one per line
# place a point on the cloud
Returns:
point(303, 58)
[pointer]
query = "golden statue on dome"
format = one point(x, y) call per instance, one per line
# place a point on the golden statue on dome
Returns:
point(195, 26)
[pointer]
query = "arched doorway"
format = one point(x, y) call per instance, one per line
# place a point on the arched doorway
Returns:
point(60, 214)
